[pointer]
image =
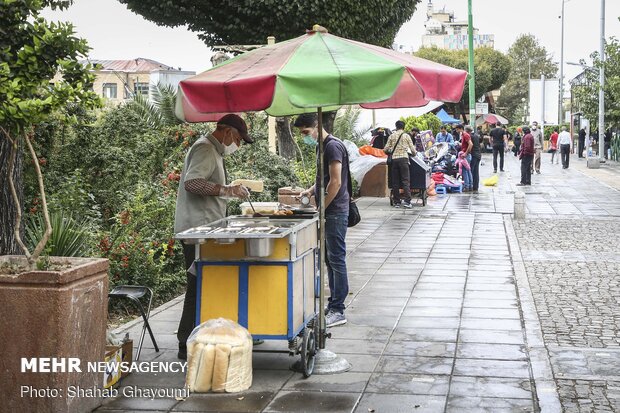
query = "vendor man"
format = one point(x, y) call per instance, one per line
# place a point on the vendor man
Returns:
point(202, 199)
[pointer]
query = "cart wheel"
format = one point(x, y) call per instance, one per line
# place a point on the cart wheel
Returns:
point(308, 351)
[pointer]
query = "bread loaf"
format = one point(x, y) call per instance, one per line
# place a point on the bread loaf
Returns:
point(194, 353)
point(252, 185)
point(239, 369)
point(220, 368)
point(205, 369)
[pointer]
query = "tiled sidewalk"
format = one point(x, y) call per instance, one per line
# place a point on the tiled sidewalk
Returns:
point(441, 315)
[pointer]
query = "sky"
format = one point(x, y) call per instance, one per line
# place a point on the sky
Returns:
point(113, 32)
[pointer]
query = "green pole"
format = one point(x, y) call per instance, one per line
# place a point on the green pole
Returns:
point(472, 74)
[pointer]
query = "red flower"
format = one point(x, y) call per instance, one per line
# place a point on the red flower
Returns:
point(42, 161)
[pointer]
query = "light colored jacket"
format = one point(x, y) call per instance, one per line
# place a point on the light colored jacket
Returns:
point(538, 138)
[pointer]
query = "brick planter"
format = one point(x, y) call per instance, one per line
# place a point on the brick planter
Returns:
point(52, 314)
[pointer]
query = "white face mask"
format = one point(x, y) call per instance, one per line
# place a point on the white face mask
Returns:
point(230, 149)
point(534, 127)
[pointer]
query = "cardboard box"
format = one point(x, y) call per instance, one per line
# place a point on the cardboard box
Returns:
point(114, 355)
point(113, 358)
point(288, 196)
point(127, 354)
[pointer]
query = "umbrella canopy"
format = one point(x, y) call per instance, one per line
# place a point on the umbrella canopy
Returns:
point(317, 69)
point(491, 118)
point(445, 118)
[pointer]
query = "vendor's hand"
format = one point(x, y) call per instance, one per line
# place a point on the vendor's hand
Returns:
point(234, 191)
point(307, 193)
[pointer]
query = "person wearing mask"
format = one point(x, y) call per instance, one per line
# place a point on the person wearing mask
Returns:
point(564, 143)
point(499, 141)
point(336, 176)
point(444, 136)
point(476, 156)
point(553, 146)
point(400, 146)
point(526, 154)
point(582, 142)
point(201, 199)
point(538, 145)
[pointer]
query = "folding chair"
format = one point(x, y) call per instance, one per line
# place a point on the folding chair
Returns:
point(134, 293)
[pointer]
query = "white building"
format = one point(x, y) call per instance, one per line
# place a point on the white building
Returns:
point(444, 32)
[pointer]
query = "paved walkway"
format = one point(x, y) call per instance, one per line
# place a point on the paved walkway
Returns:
point(455, 308)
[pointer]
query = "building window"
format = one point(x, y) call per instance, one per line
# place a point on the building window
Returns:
point(141, 88)
point(109, 90)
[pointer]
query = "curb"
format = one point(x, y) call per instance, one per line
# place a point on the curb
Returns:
point(542, 373)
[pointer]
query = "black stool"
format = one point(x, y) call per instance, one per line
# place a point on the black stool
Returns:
point(134, 293)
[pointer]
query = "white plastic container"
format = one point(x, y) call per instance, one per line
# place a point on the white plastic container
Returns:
point(266, 208)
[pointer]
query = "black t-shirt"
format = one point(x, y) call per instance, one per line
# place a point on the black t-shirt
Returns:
point(475, 150)
point(498, 136)
point(335, 151)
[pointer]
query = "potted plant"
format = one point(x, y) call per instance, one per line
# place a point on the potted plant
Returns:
point(56, 307)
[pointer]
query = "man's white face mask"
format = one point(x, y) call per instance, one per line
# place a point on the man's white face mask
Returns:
point(230, 149)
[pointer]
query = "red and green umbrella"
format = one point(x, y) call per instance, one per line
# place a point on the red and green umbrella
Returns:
point(315, 70)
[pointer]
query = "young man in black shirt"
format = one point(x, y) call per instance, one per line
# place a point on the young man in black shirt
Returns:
point(498, 141)
point(337, 197)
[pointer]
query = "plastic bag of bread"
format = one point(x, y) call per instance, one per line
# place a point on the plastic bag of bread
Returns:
point(219, 354)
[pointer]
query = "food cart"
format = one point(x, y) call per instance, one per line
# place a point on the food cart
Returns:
point(261, 273)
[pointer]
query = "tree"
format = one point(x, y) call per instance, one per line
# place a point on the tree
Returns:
point(527, 58)
point(586, 93)
point(157, 111)
point(251, 21)
point(491, 66)
point(40, 75)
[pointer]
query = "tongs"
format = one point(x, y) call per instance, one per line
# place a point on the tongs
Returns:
point(255, 214)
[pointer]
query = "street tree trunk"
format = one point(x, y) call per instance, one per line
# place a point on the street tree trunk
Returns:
point(8, 210)
point(286, 145)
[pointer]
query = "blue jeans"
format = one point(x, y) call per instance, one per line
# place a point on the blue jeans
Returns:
point(467, 178)
point(335, 254)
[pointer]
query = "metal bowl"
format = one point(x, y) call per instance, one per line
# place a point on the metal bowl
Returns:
point(259, 247)
point(225, 241)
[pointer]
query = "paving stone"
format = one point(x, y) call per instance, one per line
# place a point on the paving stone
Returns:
point(491, 368)
point(490, 387)
point(408, 384)
point(415, 365)
point(342, 382)
point(248, 401)
point(301, 401)
point(417, 348)
point(464, 404)
point(491, 351)
point(400, 403)
point(491, 336)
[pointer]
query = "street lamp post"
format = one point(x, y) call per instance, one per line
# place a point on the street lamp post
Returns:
point(561, 106)
point(472, 73)
point(601, 90)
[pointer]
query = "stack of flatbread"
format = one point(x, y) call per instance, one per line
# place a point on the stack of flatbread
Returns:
point(219, 357)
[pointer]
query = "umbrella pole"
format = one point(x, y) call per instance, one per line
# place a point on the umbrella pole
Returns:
point(320, 191)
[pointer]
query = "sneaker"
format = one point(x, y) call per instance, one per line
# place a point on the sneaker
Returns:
point(494, 171)
point(521, 184)
point(406, 205)
point(334, 318)
point(397, 205)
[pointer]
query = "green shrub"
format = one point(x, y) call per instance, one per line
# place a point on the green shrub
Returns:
point(70, 238)
point(428, 121)
point(140, 244)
